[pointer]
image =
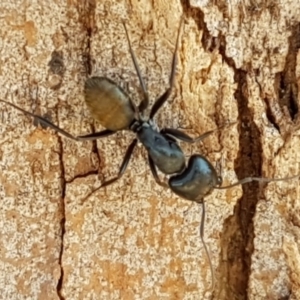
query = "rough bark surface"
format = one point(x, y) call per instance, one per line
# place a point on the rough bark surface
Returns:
point(238, 61)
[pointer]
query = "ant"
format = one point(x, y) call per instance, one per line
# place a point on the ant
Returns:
point(113, 108)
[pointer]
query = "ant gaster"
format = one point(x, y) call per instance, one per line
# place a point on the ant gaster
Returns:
point(113, 108)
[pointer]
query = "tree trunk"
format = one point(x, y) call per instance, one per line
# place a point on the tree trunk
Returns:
point(237, 62)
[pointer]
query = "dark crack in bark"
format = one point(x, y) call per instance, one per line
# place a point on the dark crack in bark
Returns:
point(286, 82)
point(63, 219)
point(90, 173)
point(238, 233)
point(86, 10)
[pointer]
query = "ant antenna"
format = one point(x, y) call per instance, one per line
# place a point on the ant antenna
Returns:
point(259, 179)
point(202, 222)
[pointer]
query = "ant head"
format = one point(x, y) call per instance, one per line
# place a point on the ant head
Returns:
point(197, 181)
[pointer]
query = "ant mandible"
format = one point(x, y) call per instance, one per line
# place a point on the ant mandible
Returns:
point(113, 108)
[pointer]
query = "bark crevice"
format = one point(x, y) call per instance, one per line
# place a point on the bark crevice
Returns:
point(238, 233)
point(63, 219)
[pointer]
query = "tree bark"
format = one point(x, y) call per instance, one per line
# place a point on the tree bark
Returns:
point(237, 62)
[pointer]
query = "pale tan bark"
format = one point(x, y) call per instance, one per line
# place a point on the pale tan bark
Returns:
point(238, 61)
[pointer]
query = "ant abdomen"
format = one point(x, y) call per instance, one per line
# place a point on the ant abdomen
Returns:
point(108, 103)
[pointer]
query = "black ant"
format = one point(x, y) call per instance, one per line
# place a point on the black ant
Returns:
point(113, 108)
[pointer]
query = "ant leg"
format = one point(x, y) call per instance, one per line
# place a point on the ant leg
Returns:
point(163, 98)
point(204, 244)
point(92, 136)
point(180, 135)
point(95, 135)
point(259, 179)
point(42, 120)
point(144, 103)
point(154, 173)
point(124, 165)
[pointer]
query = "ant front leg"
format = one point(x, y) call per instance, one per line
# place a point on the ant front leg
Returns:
point(195, 183)
point(201, 231)
point(259, 179)
point(89, 137)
